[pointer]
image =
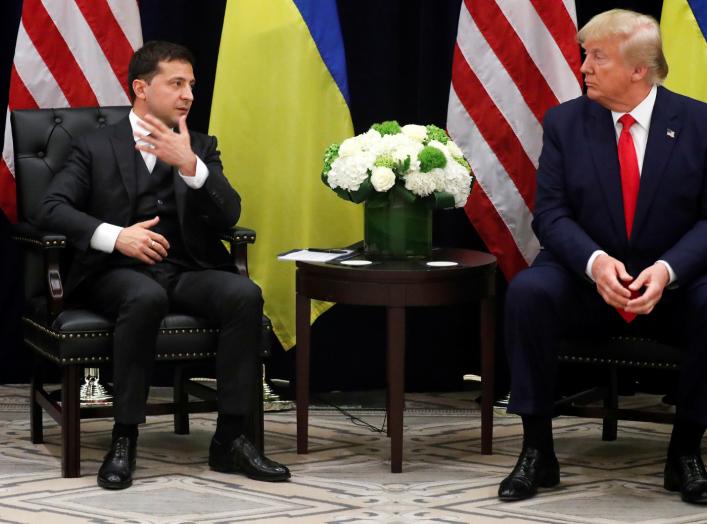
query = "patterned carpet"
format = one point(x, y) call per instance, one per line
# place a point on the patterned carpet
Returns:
point(346, 476)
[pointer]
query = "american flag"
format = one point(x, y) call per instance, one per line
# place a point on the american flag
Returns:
point(69, 53)
point(513, 60)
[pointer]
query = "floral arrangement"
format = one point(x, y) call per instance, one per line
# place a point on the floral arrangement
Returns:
point(415, 161)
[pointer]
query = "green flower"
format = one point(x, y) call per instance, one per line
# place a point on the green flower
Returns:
point(436, 133)
point(461, 160)
point(331, 154)
point(384, 161)
point(389, 127)
point(430, 158)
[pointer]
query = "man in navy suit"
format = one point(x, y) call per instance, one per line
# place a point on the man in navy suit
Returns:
point(621, 214)
point(143, 203)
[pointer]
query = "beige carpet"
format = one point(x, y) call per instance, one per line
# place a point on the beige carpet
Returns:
point(346, 476)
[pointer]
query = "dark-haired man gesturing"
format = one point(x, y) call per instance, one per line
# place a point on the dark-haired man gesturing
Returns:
point(143, 202)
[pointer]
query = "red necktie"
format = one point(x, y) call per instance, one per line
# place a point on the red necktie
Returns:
point(630, 179)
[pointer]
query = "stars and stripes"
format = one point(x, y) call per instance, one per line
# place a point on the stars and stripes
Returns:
point(69, 53)
point(513, 60)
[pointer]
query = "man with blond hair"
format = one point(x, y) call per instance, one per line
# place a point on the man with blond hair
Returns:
point(621, 214)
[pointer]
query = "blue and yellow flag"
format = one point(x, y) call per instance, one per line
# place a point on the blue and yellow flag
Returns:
point(683, 25)
point(280, 99)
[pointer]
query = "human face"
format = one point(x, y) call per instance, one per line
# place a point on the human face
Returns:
point(610, 80)
point(168, 96)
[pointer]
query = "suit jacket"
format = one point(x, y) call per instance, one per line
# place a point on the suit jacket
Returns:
point(579, 206)
point(98, 184)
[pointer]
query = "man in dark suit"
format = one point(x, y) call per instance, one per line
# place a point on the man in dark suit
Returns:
point(143, 202)
point(621, 214)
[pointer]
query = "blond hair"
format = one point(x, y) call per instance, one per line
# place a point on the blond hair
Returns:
point(641, 43)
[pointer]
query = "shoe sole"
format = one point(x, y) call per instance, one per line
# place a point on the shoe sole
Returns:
point(548, 482)
point(114, 485)
point(673, 485)
point(222, 469)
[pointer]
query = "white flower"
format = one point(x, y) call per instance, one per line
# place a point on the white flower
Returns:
point(418, 133)
point(349, 172)
point(420, 184)
point(454, 149)
point(350, 147)
point(382, 178)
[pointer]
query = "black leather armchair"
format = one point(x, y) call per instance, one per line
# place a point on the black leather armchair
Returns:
point(608, 356)
point(72, 337)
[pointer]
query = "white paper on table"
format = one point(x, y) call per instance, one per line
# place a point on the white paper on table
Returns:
point(306, 255)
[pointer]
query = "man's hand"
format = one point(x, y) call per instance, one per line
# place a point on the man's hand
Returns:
point(170, 147)
point(137, 241)
point(611, 279)
point(654, 278)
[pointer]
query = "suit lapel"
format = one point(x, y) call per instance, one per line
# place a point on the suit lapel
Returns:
point(660, 145)
point(601, 137)
point(124, 149)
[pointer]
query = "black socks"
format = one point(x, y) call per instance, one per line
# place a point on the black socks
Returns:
point(685, 439)
point(537, 433)
point(229, 427)
point(125, 430)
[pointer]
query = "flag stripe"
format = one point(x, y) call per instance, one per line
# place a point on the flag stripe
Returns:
point(542, 48)
point(110, 37)
point(492, 177)
point(506, 95)
point(514, 59)
point(494, 129)
point(563, 28)
point(20, 97)
point(34, 74)
point(513, 55)
point(85, 49)
point(128, 18)
point(494, 232)
point(53, 49)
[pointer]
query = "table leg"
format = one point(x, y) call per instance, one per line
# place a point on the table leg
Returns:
point(488, 336)
point(396, 385)
point(302, 327)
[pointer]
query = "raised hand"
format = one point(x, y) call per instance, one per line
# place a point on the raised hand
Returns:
point(138, 241)
point(170, 147)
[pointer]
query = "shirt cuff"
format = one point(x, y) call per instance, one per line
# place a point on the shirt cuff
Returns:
point(199, 178)
point(590, 263)
point(104, 237)
point(670, 271)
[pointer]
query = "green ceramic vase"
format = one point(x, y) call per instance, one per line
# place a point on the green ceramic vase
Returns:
point(400, 229)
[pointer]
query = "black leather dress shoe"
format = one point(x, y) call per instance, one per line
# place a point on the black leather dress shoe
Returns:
point(688, 476)
point(534, 469)
point(241, 455)
point(116, 472)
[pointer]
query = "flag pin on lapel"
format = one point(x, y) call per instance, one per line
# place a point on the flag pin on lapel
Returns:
point(670, 133)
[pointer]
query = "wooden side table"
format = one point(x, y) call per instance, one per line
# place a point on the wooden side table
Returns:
point(398, 285)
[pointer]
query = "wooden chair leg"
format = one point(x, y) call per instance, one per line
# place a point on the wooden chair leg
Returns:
point(181, 401)
point(71, 422)
point(611, 402)
point(35, 409)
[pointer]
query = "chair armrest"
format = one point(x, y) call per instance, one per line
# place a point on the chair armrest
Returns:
point(30, 236)
point(51, 246)
point(239, 238)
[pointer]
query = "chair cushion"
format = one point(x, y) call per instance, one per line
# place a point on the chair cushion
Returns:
point(80, 336)
point(622, 351)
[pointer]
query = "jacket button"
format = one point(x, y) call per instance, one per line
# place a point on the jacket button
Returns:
point(160, 202)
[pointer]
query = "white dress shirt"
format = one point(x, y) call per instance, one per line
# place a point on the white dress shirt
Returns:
point(642, 113)
point(105, 235)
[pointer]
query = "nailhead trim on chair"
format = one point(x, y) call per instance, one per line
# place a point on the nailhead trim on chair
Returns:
point(634, 363)
point(48, 243)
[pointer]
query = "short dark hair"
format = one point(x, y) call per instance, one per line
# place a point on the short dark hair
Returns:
point(145, 61)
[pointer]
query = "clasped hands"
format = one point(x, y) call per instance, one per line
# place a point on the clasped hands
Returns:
point(617, 287)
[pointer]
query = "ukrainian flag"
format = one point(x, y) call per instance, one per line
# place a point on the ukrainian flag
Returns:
point(683, 25)
point(280, 99)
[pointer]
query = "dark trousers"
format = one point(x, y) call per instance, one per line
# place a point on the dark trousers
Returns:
point(547, 302)
point(137, 298)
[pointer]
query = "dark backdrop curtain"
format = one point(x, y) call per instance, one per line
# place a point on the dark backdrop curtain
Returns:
point(399, 56)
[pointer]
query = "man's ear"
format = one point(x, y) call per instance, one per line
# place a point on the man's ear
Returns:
point(139, 86)
point(639, 73)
